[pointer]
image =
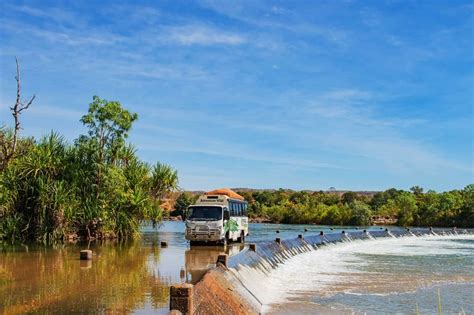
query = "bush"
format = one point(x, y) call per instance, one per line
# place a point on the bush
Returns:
point(95, 188)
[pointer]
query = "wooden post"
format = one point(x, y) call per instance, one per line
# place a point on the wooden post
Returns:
point(164, 244)
point(278, 240)
point(253, 247)
point(181, 298)
point(300, 236)
point(85, 264)
point(222, 259)
point(85, 254)
point(321, 233)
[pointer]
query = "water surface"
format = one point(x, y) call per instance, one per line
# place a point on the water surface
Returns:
point(387, 275)
point(134, 277)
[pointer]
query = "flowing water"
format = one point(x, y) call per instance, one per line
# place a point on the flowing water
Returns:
point(134, 277)
point(388, 275)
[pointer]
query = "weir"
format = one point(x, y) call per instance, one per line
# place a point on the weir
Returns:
point(237, 285)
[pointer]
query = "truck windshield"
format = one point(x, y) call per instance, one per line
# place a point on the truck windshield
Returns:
point(205, 213)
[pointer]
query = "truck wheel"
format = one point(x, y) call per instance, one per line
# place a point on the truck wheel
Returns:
point(242, 237)
point(226, 239)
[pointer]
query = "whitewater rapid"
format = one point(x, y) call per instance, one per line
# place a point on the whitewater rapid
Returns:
point(378, 267)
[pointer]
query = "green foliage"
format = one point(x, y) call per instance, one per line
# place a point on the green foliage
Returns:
point(95, 188)
point(349, 197)
point(184, 200)
point(108, 125)
point(164, 179)
point(453, 208)
point(407, 209)
point(360, 213)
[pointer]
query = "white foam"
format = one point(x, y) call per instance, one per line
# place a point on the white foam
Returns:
point(334, 268)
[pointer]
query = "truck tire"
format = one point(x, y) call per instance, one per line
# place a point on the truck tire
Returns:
point(242, 237)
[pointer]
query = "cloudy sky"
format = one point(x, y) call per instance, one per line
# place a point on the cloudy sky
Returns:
point(362, 95)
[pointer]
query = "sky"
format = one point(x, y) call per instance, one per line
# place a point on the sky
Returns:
point(357, 95)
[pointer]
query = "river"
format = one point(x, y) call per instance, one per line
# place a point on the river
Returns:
point(134, 277)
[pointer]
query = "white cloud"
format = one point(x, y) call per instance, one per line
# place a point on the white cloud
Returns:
point(350, 104)
point(202, 35)
point(222, 148)
point(262, 16)
point(55, 14)
point(67, 36)
point(349, 122)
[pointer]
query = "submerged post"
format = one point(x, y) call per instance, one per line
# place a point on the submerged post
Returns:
point(253, 247)
point(278, 240)
point(222, 259)
point(300, 236)
point(164, 244)
point(321, 233)
point(85, 254)
point(181, 298)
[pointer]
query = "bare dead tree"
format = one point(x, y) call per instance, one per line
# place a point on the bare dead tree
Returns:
point(18, 107)
point(9, 148)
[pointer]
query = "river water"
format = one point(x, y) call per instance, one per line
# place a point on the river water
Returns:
point(393, 276)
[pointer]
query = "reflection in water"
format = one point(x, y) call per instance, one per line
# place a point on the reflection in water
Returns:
point(55, 280)
point(199, 259)
point(121, 278)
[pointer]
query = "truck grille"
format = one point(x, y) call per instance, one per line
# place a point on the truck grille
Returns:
point(203, 230)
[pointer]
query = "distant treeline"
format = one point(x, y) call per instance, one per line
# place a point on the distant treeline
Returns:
point(404, 208)
point(95, 187)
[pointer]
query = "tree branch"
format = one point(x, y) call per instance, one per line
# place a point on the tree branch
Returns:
point(16, 111)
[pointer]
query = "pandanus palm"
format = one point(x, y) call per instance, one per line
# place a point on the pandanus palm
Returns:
point(163, 179)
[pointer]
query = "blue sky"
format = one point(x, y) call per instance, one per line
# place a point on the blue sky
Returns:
point(361, 95)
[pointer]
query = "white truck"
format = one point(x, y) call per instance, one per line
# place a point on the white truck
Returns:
point(219, 216)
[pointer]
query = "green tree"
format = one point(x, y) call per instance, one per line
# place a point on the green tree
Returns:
point(96, 188)
point(360, 213)
point(466, 216)
point(163, 180)
point(450, 204)
point(331, 199)
point(348, 197)
point(417, 190)
point(109, 125)
point(407, 209)
point(428, 209)
point(184, 200)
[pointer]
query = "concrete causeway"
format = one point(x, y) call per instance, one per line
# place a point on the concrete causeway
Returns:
point(221, 291)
